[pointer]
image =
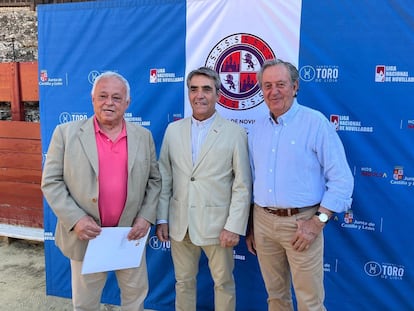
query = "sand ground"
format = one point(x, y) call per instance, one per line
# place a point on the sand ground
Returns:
point(22, 279)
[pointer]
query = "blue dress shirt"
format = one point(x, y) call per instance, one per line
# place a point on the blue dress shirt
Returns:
point(299, 161)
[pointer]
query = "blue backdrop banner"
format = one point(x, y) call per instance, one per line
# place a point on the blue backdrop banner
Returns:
point(355, 66)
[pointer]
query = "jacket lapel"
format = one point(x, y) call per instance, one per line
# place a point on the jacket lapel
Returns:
point(211, 138)
point(185, 137)
point(88, 142)
point(132, 148)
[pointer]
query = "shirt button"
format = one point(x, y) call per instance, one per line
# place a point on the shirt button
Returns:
point(94, 200)
point(192, 178)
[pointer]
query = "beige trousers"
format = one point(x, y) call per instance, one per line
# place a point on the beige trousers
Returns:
point(281, 265)
point(186, 257)
point(87, 288)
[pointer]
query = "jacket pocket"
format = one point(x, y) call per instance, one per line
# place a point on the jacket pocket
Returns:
point(213, 221)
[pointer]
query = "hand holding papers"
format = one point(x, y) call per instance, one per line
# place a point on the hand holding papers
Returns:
point(111, 250)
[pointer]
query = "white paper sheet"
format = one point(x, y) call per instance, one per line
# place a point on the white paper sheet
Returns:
point(111, 250)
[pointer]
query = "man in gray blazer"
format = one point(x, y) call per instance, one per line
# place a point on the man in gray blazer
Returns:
point(206, 190)
point(102, 172)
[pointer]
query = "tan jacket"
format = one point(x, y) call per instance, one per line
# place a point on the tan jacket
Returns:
point(70, 180)
point(212, 195)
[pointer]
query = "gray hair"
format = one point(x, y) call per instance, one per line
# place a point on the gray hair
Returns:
point(293, 71)
point(208, 72)
point(110, 74)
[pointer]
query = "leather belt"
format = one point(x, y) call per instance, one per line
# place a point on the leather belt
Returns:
point(286, 212)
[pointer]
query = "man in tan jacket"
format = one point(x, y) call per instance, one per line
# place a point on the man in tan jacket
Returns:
point(206, 189)
point(102, 172)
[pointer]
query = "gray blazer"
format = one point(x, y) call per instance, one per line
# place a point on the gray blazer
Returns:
point(212, 195)
point(70, 180)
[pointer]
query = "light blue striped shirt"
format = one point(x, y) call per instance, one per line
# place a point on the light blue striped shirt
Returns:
point(299, 161)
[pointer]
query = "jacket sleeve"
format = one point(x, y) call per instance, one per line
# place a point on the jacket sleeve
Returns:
point(54, 186)
point(153, 186)
point(242, 186)
point(166, 173)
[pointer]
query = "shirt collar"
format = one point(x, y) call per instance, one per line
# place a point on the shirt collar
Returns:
point(285, 118)
point(205, 122)
point(98, 129)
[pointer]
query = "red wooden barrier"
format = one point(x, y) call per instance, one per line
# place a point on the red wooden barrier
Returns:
point(21, 201)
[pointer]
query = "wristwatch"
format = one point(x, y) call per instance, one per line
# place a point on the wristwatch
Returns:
point(322, 217)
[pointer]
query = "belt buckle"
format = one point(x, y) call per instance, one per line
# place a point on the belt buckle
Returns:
point(281, 212)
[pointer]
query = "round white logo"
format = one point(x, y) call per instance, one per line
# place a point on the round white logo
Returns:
point(237, 59)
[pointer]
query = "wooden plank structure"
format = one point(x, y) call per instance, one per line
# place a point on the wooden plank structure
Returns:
point(33, 3)
point(21, 200)
point(17, 3)
point(18, 84)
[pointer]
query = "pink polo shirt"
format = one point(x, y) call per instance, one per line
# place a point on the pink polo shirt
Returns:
point(113, 175)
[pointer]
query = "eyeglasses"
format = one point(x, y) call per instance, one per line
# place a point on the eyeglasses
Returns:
point(115, 98)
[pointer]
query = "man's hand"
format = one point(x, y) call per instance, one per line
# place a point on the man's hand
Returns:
point(87, 228)
point(306, 233)
point(139, 229)
point(228, 239)
point(162, 232)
